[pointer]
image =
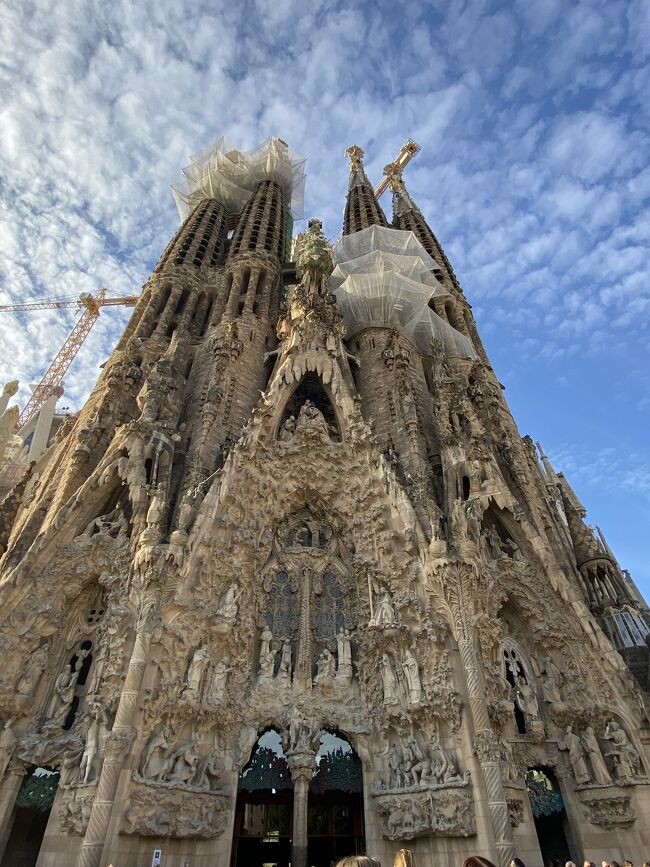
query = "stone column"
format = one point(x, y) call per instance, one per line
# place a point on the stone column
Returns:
point(459, 585)
point(8, 793)
point(117, 745)
point(302, 766)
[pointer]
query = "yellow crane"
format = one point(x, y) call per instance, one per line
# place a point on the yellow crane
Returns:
point(54, 375)
point(403, 158)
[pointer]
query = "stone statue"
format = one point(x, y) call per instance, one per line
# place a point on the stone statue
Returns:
point(344, 652)
point(443, 764)
point(384, 611)
point(626, 757)
point(93, 753)
point(218, 682)
point(598, 767)
point(552, 680)
point(195, 671)
point(33, 671)
point(64, 687)
point(155, 763)
point(285, 662)
point(300, 734)
point(288, 429)
point(183, 762)
point(493, 541)
point(573, 744)
point(8, 741)
point(389, 681)
point(411, 671)
point(526, 699)
point(228, 607)
point(325, 668)
point(208, 772)
point(267, 655)
point(266, 638)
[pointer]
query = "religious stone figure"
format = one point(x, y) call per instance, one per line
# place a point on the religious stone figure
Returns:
point(300, 735)
point(33, 671)
point(92, 755)
point(208, 772)
point(288, 429)
point(218, 682)
point(411, 671)
point(443, 764)
point(155, 762)
point(389, 681)
point(527, 700)
point(384, 611)
point(183, 763)
point(284, 672)
point(227, 610)
point(265, 638)
point(598, 767)
point(627, 761)
point(64, 687)
point(325, 668)
point(574, 745)
point(344, 652)
point(195, 671)
point(267, 655)
point(552, 680)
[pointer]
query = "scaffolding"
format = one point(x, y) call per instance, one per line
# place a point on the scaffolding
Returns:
point(229, 175)
point(384, 278)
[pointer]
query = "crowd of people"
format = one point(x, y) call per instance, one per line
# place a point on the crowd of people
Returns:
point(405, 858)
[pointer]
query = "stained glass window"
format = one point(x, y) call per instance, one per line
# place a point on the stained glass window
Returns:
point(329, 609)
point(280, 606)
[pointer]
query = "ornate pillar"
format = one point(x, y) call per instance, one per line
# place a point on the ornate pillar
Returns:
point(9, 789)
point(118, 742)
point(458, 583)
point(302, 673)
point(302, 766)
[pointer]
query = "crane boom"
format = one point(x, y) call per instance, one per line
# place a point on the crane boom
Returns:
point(406, 154)
point(53, 376)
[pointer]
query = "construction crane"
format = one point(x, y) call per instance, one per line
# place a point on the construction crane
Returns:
point(53, 376)
point(403, 158)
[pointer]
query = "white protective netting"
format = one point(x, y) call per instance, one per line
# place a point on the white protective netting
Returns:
point(229, 175)
point(384, 278)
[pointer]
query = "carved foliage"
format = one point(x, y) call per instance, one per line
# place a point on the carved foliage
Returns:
point(443, 814)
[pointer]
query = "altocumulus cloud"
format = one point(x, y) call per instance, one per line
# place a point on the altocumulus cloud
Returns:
point(533, 119)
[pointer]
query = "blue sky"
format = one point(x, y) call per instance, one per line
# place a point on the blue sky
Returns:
point(533, 120)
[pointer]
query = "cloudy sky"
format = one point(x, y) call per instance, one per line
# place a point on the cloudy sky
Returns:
point(533, 121)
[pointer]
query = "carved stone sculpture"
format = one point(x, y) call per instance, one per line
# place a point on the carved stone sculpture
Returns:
point(7, 743)
point(599, 769)
point(195, 671)
point(411, 671)
point(627, 762)
point(344, 660)
point(217, 688)
point(573, 744)
point(92, 755)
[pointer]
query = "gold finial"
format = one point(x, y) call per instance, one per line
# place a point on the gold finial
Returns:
point(393, 172)
point(355, 153)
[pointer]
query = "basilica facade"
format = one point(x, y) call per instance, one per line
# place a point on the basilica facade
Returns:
point(292, 585)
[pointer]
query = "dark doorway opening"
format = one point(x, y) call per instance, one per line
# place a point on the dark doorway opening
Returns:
point(335, 817)
point(549, 813)
point(30, 816)
point(264, 810)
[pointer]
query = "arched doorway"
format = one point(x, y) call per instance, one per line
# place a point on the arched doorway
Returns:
point(30, 816)
point(264, 809)
point(335, 818)
point(549, 813)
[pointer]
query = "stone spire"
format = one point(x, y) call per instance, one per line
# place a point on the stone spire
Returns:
point(407, 216)
point(361, 208)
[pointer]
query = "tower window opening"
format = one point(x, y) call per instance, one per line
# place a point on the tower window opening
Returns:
point(465, 485)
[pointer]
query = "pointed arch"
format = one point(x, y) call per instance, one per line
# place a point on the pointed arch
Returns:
point(312, 390)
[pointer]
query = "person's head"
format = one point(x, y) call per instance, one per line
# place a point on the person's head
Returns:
point(614, 864)
point(404, 858)
point(628, 863)
point(517, 862)
point(477, 861)
point(357, 861)
point(570, 864)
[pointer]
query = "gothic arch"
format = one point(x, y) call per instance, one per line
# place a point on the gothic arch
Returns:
point(311, 390)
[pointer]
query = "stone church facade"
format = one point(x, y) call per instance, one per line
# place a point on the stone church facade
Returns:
point(292, 585)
